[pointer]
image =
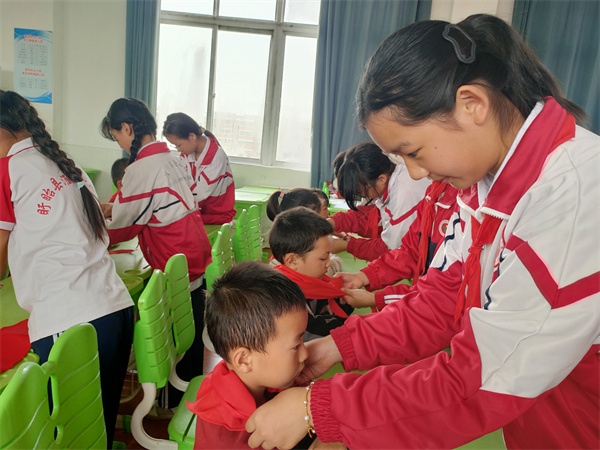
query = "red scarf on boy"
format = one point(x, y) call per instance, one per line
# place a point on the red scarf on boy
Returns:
point(318, 288)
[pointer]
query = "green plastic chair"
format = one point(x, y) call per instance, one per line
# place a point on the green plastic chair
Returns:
point(242, 245)
point(77, 414)
point(255, 239)
point(222, 256)
point(162, 308)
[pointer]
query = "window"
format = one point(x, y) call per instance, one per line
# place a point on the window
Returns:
point(245, 72)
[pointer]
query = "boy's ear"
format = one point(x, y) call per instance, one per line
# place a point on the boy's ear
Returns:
point(119, 185)
point(290, 260)
point(473, 103)
point(241, 360)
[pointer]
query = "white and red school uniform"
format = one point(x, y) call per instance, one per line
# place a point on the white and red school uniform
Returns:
point(418, 247)
point(157, 205)
point(397, 210)
point(214, 189)
point(62, 274)
point(525, 354)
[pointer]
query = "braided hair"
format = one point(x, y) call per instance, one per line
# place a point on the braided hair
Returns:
point(18, 115)
point(137, 115)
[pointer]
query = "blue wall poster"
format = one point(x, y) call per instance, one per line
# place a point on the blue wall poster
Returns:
point(33, 64)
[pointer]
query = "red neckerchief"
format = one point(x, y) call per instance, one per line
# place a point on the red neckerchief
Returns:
point(552, 127)
point(316, 288)
point(427, 219)
point(113, 197)
point(223, 399)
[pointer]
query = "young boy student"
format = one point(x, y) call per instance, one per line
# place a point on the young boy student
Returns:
point(117, 171)
point(301, 240)
point(256, 319)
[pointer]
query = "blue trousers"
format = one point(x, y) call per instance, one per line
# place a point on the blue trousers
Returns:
point(115, 336)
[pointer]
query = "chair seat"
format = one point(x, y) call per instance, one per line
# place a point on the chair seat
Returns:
point(182, 427)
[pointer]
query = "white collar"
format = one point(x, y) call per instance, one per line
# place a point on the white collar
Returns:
point(21, 145)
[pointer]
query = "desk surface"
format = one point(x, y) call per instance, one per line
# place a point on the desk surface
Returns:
point(129, 260)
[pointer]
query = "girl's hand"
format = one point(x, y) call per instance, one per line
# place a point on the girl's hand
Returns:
point(322, 354)
point(353, 280)
point(319, 445)
point(107, 209)
point(359, 298)
point(339, 245)
point(279, 422)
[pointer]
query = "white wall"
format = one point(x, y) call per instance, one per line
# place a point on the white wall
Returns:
point(89, 67)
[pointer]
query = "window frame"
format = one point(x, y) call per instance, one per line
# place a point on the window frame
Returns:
point(278, 30)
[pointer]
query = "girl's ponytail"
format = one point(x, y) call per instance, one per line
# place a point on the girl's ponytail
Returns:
point(137, 115)
point(18, 115)
point(279, 201)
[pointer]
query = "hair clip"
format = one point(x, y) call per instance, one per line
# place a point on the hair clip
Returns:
point(465, 50)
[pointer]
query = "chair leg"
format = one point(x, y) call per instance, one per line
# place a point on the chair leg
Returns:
point(137, 426)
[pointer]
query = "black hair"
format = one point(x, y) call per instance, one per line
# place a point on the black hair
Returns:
point(358, 168)
point(297, 231)
point(416, 73)
point(181, 125)
point(118, 170)
point(17, 115)
point(322, 195)
point(244, 304)
point(135, 113)
point(291, 199)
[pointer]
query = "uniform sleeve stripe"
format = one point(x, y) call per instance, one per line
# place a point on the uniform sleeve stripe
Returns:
point(403, 217)
point(540, 273)
point(161, 190)
point(208, 181)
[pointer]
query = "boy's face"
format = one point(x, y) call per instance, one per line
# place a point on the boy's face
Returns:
point(283, 360)
point(324, 211)
point(314, 263)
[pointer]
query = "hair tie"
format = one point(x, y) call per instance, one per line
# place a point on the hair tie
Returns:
point(281, 194)
point(79, 184)
point(464, 45)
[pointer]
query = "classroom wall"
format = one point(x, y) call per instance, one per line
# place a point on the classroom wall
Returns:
point(89, 67)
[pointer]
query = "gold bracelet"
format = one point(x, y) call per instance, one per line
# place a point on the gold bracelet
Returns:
point(311, 429)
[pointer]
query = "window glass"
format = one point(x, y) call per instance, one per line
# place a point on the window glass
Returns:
point(248, 9)
point(188, 6)
point(295, 116)
point(240, 84)
point(302, 11)
point(183, 72)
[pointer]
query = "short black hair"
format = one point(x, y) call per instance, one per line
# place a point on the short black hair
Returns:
point(243, 306)
point(297, 231)
point(118, 170)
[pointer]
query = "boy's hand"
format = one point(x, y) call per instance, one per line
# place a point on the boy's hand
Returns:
point(279, 422)
point(322, 354)
point(107, 209)
point(359, 298)
point(319, 445)
point(339, 245)
point(353, 280)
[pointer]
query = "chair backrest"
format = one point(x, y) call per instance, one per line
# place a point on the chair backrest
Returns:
point(255, 239)
point(180, 302)
point(222, 256)
point(77, 415)
point(153, 342)
point(242, 245)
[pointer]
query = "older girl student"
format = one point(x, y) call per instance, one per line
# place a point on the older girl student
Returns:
point(53, 235)
point(514, 289)
point(365, 172)
point(214, 189)
point(156, 204)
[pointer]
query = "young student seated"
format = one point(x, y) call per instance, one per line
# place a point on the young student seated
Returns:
point(314, 199)
point(117, 171)
point(301, 240)
point(255, 318)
